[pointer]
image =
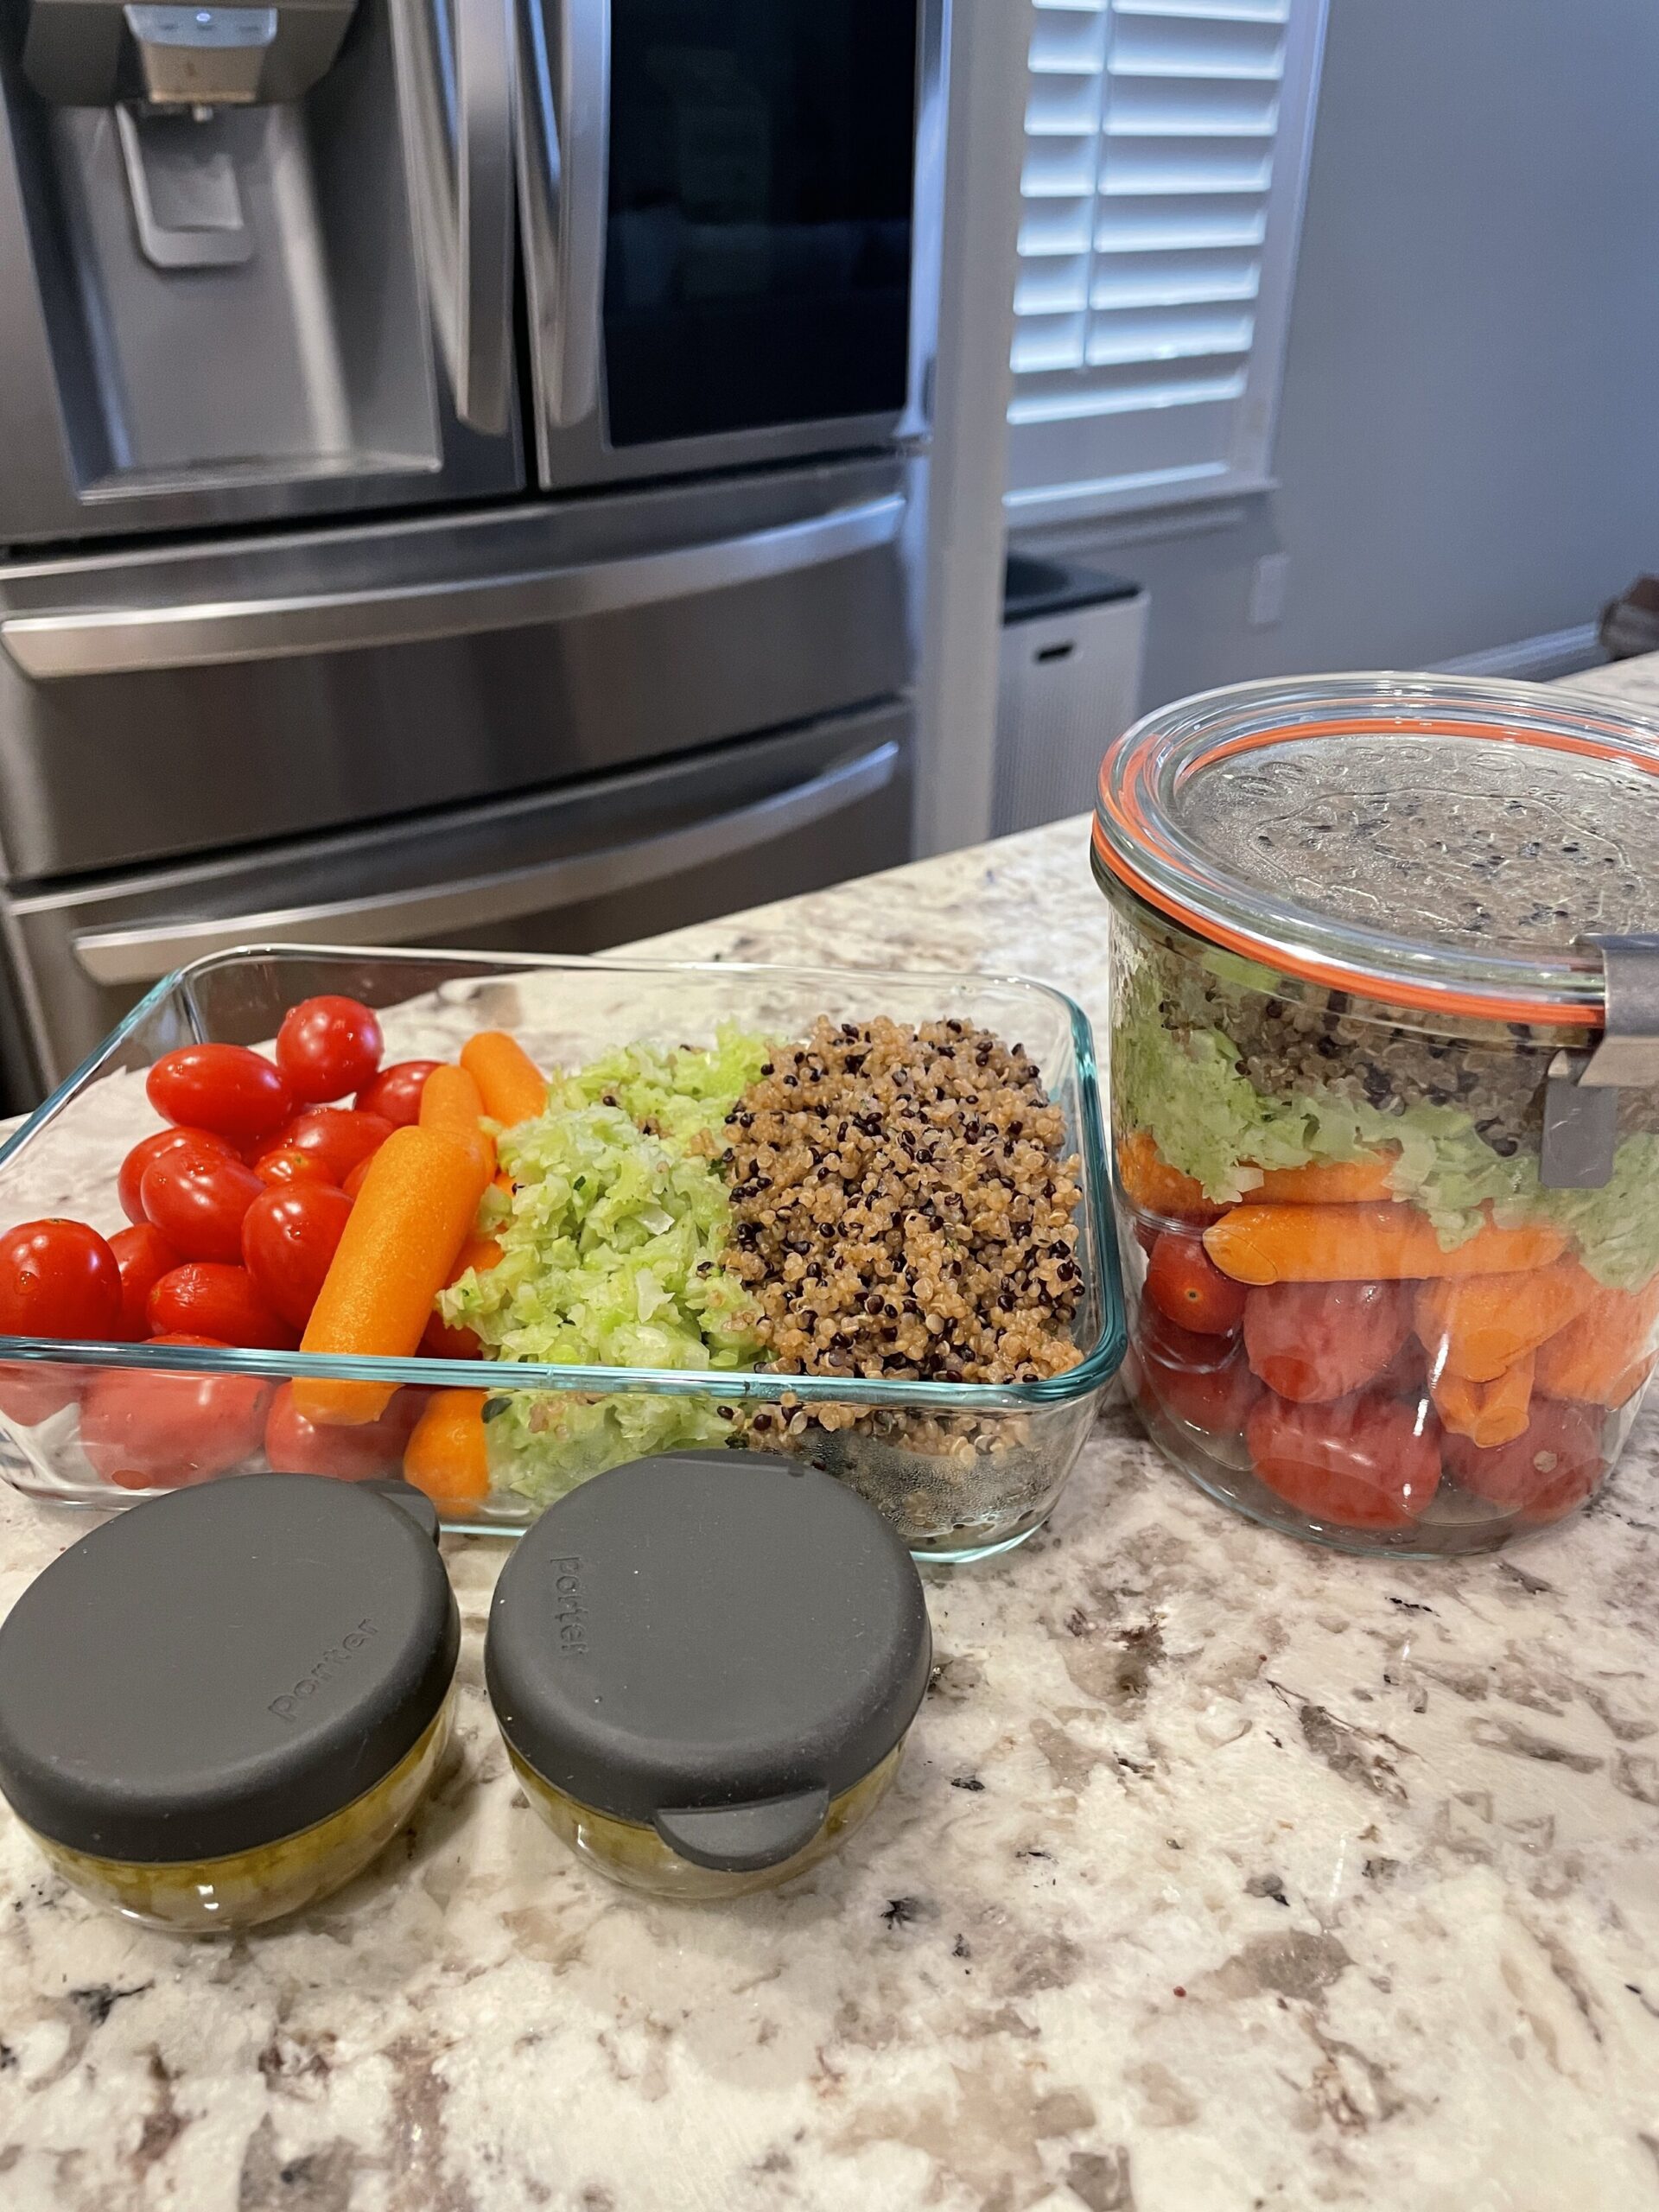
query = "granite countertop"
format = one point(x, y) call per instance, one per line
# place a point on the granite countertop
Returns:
point(1222, 1874)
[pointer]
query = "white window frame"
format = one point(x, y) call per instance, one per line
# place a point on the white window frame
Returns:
point(1093, 488)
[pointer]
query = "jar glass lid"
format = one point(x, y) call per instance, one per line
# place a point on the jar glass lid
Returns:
point(1429, 842)
point(715, 1644)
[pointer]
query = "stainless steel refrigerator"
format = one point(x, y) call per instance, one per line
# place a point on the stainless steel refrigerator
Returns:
point(458, 469)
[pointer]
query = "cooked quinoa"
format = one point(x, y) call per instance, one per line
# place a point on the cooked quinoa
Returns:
point(1302, 1037)
point(902, 1208)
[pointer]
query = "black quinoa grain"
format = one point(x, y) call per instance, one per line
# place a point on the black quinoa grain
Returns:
point(898, 1283)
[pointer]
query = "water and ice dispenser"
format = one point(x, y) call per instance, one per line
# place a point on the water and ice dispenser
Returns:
point(94, 53)
point(230, 234)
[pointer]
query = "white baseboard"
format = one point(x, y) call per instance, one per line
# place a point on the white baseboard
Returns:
point(1534, 660)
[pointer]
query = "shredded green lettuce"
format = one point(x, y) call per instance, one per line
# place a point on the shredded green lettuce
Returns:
point(1616, 1228)
point(679, 1093)
point(611, 1257)
point(1209, 1120)
point(1448, 1169)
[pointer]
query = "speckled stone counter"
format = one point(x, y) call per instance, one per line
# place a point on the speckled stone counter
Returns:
point(1223, 1875)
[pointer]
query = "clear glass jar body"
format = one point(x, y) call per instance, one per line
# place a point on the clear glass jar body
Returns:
point(636, 1856)
point(216, 1897)
point(1354, 1314)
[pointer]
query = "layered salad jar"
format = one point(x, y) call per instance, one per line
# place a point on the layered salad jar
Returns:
point(1385, 1098)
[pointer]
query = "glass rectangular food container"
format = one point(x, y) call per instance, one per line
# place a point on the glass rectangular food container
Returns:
point(962, 1469)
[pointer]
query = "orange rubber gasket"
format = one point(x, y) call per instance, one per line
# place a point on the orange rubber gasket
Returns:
point(1130, 817)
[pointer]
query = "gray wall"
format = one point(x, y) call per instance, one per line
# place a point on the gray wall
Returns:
point(1468, 448)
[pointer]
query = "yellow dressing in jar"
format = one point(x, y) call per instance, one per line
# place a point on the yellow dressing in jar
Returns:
point(248, 1887)
point(637, 1856)
point(218, 1708)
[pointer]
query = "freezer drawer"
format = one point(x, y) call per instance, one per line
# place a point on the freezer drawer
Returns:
point(160, 702)
point(565, 871)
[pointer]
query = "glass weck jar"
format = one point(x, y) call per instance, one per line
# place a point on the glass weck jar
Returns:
point(1385, 1097)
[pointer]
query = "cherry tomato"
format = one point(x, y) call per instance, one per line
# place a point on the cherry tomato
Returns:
point(1406, 1375)
point(1553, 1465)
point(143, 1255)
point(1161, 1339)
point(197, 1202)
point(295, 1445)
point(225, 1088)
point(162, 1145)
point(395, 1094)
point(358, 1177)
point(287, 1165)
point(328, 1046)
point(1315, 1341)
point(1201, 1380)
point(1216, 1400)
point(337, 1137)
point(59, 1278)
point(289, 1236)
point(1188, 1288)
point(31, 1391)
point(205, 1297)
point(144, 1431)
point(1364, 1462)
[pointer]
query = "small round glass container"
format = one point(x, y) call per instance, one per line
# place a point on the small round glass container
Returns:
point(221, 1706)
point(1388, 1209)
point(704, 1666)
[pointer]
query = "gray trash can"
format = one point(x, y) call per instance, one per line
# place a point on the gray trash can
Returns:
point(1069, 683)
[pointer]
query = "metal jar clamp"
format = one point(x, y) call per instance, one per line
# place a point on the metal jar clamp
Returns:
point(1581, 1094)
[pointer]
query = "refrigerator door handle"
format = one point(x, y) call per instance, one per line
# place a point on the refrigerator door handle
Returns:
point(206, 634)
point(456, 63)
point(565, 93)
point(143, 955)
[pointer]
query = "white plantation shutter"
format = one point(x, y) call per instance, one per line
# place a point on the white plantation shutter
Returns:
point(1165, 146)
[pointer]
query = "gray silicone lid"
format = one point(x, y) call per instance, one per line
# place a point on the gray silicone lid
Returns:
point(712, 1643)
point(222, 1667)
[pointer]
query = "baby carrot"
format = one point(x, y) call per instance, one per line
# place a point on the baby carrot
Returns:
point(1605, 1356)
point(402, 1238)
point(1488, 1414)
point(1572, 1367)
point(1480, 1324)
point(1156, 1187)
point(1341, 1183)
point(440, 1340)
point(1364, 1244)
point(447, 1455)
point(514, 1088)
point(451, 1103)
point(481, 1252)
